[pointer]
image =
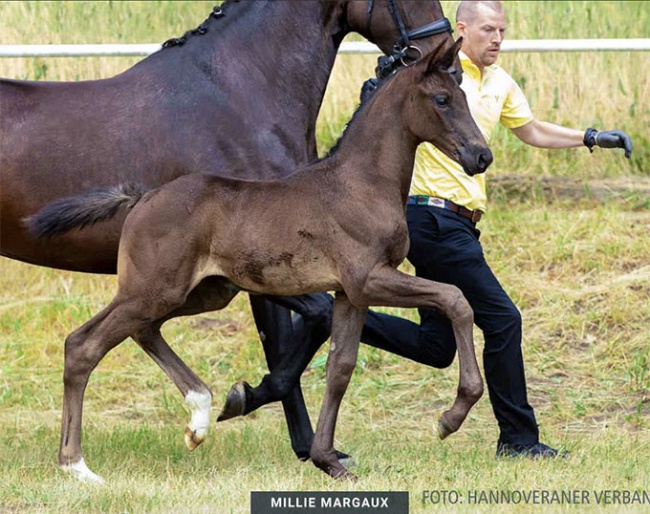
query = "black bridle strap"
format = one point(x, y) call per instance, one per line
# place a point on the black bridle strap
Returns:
point(399, 23)
point(388, 64)
point(432, 29)
point(371, 4)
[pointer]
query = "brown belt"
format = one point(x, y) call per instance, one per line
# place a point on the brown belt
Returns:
point(474, 216)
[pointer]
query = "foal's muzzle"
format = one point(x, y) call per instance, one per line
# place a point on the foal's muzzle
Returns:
point(484, 160)
point(476, 159)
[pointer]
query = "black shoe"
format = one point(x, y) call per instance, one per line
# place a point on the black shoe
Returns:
point(531, 451)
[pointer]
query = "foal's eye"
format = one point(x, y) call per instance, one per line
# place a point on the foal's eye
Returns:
point(441, 100)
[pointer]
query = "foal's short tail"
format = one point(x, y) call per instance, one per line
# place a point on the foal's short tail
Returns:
point(80, 211)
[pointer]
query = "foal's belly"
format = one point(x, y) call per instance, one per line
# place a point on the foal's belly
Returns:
point(279, 274)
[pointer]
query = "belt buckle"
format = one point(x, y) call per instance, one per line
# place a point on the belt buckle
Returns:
point(437, 202)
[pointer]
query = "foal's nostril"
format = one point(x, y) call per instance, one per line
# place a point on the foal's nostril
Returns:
point(484, 160)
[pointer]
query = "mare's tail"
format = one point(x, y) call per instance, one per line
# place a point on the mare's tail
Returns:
point(63, 215)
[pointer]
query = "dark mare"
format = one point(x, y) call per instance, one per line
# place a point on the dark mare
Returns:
point(313, 230)
point(239, 95)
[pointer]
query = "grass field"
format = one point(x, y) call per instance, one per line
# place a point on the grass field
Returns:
point(584, 298)
point(579, 271)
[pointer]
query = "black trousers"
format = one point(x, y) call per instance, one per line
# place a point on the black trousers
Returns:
point(445, 247)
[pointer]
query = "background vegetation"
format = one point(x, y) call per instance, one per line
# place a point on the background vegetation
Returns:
point(579, 271)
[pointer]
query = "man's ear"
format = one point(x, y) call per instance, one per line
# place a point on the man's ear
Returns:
point(460, 28)
point(447, 60)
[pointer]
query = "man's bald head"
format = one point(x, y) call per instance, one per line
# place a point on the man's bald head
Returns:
point(468, 10)
point(482, 26)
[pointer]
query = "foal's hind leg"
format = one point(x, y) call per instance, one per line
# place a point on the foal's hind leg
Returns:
point(213, 293)
point(138, 304)
point(197, 394)
point(84, 349)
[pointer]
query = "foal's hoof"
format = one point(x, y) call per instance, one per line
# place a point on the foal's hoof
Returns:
point(444, 427)
point(193, 439)
point(345, 460)
point(345, 475)
point(328, 462)
point(338, 472)
point(81, 472)
point(235, 401)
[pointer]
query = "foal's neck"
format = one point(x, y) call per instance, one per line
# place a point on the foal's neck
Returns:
point(378, 147)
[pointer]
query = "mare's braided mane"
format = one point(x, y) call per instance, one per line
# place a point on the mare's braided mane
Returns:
point(217, 12)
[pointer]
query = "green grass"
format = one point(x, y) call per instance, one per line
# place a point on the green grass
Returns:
point(157, 475)
point(579, 273)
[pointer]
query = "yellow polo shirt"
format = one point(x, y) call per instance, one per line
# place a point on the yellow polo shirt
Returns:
point(495, 97)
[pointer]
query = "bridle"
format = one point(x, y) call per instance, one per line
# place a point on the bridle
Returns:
point(400, 57)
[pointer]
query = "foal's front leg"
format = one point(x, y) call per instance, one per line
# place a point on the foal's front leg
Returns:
point(391, 288)
point(347, 323)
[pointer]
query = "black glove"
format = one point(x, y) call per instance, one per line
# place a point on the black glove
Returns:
point(608, 139)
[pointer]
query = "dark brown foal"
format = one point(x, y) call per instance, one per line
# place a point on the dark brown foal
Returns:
point(337, 224)
point(175, 113)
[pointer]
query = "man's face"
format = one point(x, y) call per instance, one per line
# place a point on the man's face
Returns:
point(483, 36)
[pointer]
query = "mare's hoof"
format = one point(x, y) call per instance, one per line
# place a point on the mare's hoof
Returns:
point(444, 427)
point(235, 401)
point(192, 439)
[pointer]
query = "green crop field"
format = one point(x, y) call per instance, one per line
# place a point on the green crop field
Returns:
point(579, 271)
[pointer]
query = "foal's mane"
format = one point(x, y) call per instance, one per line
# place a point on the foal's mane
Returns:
point(366, 99)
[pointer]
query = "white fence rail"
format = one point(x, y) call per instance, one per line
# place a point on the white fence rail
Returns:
point(521, 45)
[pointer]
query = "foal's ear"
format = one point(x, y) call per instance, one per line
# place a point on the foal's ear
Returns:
point(446, 61)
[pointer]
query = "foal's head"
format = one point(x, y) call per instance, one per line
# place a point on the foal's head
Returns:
point(436, 110)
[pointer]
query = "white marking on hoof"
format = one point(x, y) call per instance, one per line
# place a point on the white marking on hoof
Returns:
point(200, 404)
point(81, 472)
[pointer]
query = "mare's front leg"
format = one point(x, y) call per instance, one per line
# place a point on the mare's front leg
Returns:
point(282, 348)
point(390, 288)
point(315, 311)
point(347, 323)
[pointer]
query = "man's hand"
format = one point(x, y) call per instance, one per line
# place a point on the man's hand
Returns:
point(609, 139)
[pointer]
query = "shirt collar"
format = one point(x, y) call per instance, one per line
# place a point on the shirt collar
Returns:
point(471, 68)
